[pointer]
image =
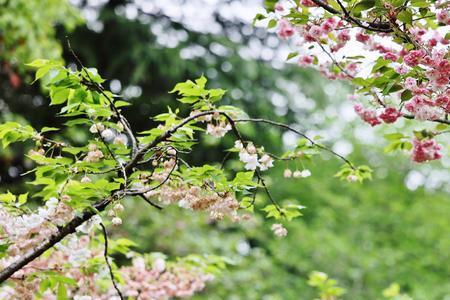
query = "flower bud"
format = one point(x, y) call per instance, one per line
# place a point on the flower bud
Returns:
point(297, 174)
point(287, 173)
point(352, 178)
point(85, 179)
point(108, 134)
point(116, 221)
point(172, 151)
point(118, 207)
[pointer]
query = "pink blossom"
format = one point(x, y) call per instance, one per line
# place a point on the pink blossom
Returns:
point(444, 102)
point(391, 56)
point(306, 60)
point(362, 38)
point(344, 36)
point(279, 7)
point(410, 83)
point(315, 31)
point(423, 109)
point(390, 115)
point(443, 16)
point(308, 3)
point(401, 69)
point(414, 57)
point(285, 29)
point(367, 115)
point(425, 150)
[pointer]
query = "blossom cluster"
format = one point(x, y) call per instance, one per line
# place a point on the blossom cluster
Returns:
point(249, 156)
point(71, 259)
point(160, 281)
point(279, 230)
point(185, 195)
point(26, 231)
point(410, 74)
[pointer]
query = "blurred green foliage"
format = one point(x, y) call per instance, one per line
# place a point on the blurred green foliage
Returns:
point(365, 236)
point(27, 29)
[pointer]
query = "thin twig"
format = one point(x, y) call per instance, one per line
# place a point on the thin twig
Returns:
point(349, 163)
point(105, 254)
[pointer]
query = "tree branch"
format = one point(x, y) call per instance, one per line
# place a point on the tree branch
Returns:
point(99, 206)
point(372, 26)
point(105, 254)
point(349, 163)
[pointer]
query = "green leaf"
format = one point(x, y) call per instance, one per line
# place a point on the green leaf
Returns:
point(292, 55)
point(406, 95)
point(59, 96)
point(272, 23)
point(258, 17)
point(393, 136)
point(62, 292)
point(7, 198)
point(41, 72)
point(405, 16)
point(363, 6)
point(47, 129)
point(244, 180)
point(38, 63)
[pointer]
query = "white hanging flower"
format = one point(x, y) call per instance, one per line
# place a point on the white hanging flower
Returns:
point(266, 162)
point(108, 134)
point(250, 160)
point(218, 130)
point(279, 230)
point(95, 128)
point(305, 173)
point(116, 221)
point(120, 140)
point(287, 173)
point(297, 174)
point(352, 178)
point(87, 226)
point(52, 202)
point(85, 179)
point(251, 148)
point(118, 207)
point(120, 126)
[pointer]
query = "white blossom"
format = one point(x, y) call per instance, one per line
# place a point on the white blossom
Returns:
point(108, 134)
point(266, 162)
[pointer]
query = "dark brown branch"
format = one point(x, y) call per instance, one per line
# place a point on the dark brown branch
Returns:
point(372, 26)
point(105, 254)
point(349, 163)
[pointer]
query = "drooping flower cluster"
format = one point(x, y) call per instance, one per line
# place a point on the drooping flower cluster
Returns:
point(216, 125)
point(110, 135)
point(94, 154)
point(195, 198)
point(297, 173)
point(188, 196)
point(160, 281)
point(249, 156)
point(279, 230)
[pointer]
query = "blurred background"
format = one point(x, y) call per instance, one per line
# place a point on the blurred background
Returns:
point(392, 229)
